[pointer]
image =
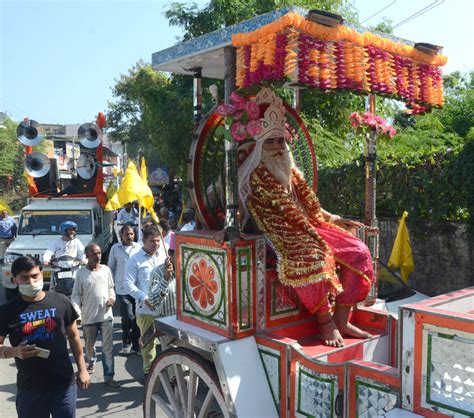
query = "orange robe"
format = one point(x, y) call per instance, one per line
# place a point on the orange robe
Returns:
point(315, 257)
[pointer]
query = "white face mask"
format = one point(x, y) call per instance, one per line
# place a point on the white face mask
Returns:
point(31, 290)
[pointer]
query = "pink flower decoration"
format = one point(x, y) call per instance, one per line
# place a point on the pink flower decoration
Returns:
point(237, 115)
point(253, 111)
point(238, 131)
point(225, 109)
point(238, 101)
point(254, 127)
point(364, 122)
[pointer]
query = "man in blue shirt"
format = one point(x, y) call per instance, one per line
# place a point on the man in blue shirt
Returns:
point(7, 231)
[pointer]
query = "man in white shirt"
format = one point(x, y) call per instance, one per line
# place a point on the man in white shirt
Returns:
point(92, 297)
point(67, 244)
point(137, 284)
point(128, 215)
point(118, 258)
point(188, 221)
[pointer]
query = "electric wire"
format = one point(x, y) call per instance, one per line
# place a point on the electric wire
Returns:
point(420, 12)
point(380, 11)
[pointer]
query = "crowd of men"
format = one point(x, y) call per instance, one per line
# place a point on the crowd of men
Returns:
point(139, 276)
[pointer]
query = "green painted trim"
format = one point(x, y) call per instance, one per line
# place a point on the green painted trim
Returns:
point(428, 379)
point(260, 351)
point(375, 387)
point(321, 379)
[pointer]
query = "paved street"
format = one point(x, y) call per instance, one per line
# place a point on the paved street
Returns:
point(99, 400)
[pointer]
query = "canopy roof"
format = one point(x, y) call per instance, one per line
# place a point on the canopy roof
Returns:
point(207, 51)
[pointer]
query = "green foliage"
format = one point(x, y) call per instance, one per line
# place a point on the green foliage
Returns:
point(222, 13)
point(427, 169)
point(153, 114)
point(13, 191)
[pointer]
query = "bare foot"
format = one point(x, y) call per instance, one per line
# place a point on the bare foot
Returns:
point(330, 334)
point(350, 330)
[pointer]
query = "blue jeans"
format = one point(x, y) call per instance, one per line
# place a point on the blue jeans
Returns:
point(60, 402)
point(90, 337)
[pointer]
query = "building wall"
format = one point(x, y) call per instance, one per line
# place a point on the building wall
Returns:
point(443, 255)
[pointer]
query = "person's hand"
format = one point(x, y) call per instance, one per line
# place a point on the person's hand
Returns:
point(348, 222)
point(168, 269)
point(24, 351)
point(219, 236)
point(148, 303)
point(83, 379)
point(110, 302)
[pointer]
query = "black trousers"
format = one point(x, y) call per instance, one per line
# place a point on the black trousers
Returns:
point(130, 331)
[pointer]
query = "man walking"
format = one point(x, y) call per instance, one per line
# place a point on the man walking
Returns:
point(137, 284)
point(118, 258)
point(7, 231)
point(36, 323)
point(93, 296)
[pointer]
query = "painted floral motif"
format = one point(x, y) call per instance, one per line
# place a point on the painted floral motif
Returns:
point(203, 284)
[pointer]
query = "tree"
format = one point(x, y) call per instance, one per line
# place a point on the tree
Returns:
point(153, 114)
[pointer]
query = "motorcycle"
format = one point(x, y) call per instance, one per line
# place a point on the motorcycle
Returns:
point(64, 274)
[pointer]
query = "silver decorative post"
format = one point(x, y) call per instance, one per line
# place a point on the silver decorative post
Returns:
point(231, 193)
point(197, 95)
point(370, 216)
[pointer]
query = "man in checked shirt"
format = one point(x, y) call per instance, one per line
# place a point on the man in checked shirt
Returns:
point(150, 265)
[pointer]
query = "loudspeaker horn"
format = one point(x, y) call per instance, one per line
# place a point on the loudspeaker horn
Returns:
point(29, 133)
point(89, 135)
point(86, 166)
point(37, 164)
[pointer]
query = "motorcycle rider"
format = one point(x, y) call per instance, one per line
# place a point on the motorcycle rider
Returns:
point(67, 244)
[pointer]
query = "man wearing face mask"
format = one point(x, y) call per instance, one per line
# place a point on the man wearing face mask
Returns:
point(67, 244)
point(37, 323)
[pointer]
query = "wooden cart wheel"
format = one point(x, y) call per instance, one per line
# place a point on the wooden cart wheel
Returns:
point(183, 384)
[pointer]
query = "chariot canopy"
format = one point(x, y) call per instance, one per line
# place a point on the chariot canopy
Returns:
point(308, 48)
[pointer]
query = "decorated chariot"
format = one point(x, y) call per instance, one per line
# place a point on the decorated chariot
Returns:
point(242, 344)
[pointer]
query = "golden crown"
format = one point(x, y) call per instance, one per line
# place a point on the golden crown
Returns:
point(273, 121)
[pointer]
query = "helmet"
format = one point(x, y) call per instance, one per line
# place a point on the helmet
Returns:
point(67, 225)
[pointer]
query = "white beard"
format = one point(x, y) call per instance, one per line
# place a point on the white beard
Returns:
point(280, 166)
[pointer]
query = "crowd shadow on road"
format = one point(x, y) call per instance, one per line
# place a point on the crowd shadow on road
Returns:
point(109, 401)
point(100, 400)
point(9, 388)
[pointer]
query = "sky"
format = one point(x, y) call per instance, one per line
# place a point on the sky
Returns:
point(59, 59)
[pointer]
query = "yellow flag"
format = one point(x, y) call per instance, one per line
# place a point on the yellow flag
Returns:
point(144, 170)
point(111, 189)
point(132, 188)
point(402, 256)
point(4, 206)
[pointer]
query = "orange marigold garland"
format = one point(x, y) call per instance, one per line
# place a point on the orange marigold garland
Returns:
point(338, 58)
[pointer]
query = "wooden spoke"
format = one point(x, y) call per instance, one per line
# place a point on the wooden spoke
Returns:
point(163, 406)
point(205, 405)
point(191, 393)
point(181, 384)
point(169, 391)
